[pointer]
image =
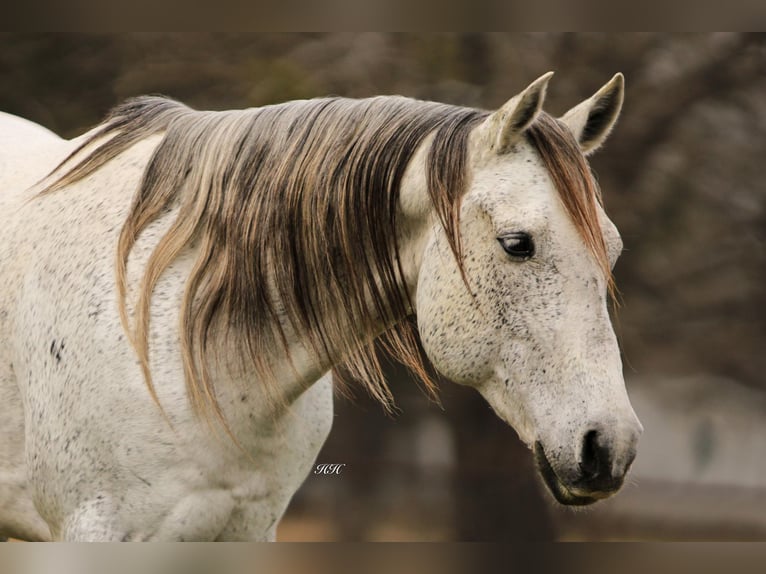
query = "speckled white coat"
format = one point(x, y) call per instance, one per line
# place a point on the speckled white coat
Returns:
point(86, 455)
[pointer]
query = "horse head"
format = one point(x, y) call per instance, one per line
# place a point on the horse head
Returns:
point(522, 315)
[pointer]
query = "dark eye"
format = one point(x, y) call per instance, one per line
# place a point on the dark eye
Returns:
point(518, 245)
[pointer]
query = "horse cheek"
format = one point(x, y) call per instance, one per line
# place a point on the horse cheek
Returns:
point(456, 337)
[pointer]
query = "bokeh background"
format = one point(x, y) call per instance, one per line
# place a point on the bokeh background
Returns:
point(683, 179)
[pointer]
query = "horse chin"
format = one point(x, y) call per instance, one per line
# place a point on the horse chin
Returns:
point(557, 488)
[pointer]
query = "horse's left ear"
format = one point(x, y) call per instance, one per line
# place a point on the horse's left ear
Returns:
point(505, 126)
point(592, 120)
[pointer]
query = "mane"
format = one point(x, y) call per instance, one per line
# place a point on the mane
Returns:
point(292, 209)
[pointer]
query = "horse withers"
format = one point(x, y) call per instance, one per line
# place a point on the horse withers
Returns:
point(175, 286)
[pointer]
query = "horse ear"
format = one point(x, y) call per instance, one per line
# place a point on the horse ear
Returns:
point(506, 124)
point(592, 120)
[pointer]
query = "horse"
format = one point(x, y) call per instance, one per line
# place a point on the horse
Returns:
point(178, 286)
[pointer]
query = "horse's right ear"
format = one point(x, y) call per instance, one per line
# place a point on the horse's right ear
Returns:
point(506, 125)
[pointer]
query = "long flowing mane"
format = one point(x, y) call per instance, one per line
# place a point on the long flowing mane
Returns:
point(293, 209)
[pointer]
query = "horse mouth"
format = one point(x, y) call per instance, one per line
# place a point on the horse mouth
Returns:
point(558, 489)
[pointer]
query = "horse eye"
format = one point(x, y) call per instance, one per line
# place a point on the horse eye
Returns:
point(518, 245)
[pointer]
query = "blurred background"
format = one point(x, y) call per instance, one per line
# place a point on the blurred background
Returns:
point(683, 179)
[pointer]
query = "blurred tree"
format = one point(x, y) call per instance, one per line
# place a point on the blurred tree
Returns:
point(63, 81)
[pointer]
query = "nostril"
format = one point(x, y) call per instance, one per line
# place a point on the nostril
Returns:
point(589, 460)
point(605, 456)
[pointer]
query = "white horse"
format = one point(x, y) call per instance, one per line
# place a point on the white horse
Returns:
point(173, 292)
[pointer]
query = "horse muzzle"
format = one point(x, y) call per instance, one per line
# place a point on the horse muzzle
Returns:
point(600, 472)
